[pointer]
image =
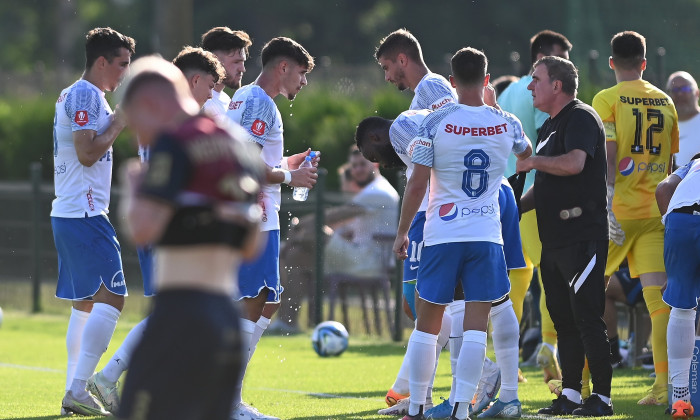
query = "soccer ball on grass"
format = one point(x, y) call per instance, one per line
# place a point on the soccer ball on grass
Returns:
point(330, 338)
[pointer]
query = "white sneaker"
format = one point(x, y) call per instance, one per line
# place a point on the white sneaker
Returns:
point(65, 413)
point(88, 406)
point(105, 391)
point(401, 408)
point(488, 387)
point(244, 411)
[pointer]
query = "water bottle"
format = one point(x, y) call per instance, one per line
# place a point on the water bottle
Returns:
point(302, 193)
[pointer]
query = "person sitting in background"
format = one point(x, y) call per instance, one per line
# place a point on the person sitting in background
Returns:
point(348, 235)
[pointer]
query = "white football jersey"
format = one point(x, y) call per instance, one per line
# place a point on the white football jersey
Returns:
point(688, 191)
point(256, 112)
point(217, 106)
point(432, 92)
point(404, 129)
point(80, 190)
point(467, 149)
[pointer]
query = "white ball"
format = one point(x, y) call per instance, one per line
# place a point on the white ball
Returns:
point(330, 338)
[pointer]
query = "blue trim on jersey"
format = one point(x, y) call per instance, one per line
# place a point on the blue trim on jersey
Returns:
point(401, 132)
point(263, 272)
point(409, 293)
point(510, 228)
point(415, 235)
point(146, 256)
point(83, 97)
point(519, 145)
point(258, 106)
point(681, 251)
point(431, 89)
point(89, 256)
point(480, 266)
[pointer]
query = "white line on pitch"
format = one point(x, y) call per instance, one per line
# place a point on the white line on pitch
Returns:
point(40, 369)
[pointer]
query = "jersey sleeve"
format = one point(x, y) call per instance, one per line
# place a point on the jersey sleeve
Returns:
point(83, 106)
point(683, 170)
point(605, 110)
point(582, 131)
point(258, 118)
point(168, 171)
point(420, 150)
point(402, 131)
point(434, 94)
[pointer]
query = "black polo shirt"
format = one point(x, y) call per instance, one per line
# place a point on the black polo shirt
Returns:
point(571, 209)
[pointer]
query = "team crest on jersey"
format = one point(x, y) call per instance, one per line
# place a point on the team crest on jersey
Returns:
point(258, 127)
point(448, 212)
point(81, 118)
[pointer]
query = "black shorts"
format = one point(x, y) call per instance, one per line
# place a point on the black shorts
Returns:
point(188, 361)
point(631, 287)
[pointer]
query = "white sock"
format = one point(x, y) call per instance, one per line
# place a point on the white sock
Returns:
point(603, 398)
point(74, 334)
point(505, 336)
point(572, 395)
point(401, 383)
point(680, 335)
point(456, 332)
point(421, 352)
point(260, 328)
point(443, 339)
point(120, 361)
point(97, 334)
point(247, 331)
point(470, 365)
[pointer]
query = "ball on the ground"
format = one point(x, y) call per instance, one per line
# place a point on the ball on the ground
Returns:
point(330, 338)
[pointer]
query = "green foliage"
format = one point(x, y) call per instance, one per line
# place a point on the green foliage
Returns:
point(26, 136)
point(323, 118)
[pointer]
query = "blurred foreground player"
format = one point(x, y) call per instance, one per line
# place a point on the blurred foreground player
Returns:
point(196, 202)
point(678, 197)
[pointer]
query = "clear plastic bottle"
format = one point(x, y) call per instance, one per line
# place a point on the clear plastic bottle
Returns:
point(302, 193)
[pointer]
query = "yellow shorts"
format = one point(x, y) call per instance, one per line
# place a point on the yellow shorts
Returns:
point(643, 247)
point(532, 247)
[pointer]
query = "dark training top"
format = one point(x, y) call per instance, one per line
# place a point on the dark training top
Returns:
point(210, 178)
point(572, 208)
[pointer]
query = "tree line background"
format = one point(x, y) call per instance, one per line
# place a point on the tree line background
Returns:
point(43, 51)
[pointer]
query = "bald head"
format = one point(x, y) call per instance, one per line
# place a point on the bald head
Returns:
point(683, 89)
point(156, 97)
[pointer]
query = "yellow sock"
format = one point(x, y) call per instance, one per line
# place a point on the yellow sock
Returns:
point(519, 283)
point(659, 313)
point(549, 334)
point(585, 381)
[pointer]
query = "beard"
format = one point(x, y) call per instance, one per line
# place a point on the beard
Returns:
point(365, 182)
point(232, 82)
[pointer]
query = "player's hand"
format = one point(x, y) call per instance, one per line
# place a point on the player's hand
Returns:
point(119, 118)
point(490, 96)
point(617, 235)
point(304, 177)
point(295, 160)
point(401, 246)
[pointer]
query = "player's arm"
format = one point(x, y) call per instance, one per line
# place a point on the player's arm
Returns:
point(665, 190)
point(527, 201)
point(568, 164)
point(611, 150)
point(90, 146)
point(412, 198)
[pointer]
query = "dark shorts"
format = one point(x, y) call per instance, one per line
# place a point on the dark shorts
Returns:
point(187, 364)
point(631, 287)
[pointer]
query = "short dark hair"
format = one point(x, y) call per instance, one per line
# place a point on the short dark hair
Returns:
point(397, 42)
point(105, 42)
point(197, 59)
point(628, 50)
point(288, 48)
point(563, 70)
point(469, 66)
point(544, 41)
point(369, 125)
point(222, 38)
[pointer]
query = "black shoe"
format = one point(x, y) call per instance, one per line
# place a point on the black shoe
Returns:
point(594, 407)
point(560, 407)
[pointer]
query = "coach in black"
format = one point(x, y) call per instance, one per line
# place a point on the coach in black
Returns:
point(569, 196)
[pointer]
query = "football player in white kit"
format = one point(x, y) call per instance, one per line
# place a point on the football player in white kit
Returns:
point(89, 255)
point(463, 149)
point(203, 71)
point(231, 48)
point(285, 66)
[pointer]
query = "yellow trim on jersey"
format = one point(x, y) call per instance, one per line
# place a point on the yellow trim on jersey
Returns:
point(642, 120)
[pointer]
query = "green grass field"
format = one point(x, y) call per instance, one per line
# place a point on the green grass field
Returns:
point(286, 378)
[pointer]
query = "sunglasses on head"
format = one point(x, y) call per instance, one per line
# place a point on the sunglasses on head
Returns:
point(679, 89)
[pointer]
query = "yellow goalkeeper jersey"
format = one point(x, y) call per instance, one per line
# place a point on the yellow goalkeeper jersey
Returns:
point(642, 120)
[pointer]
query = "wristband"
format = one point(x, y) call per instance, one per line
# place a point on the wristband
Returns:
point(287, 176)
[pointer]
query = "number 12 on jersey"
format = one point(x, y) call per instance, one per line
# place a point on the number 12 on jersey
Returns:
point(656, 127)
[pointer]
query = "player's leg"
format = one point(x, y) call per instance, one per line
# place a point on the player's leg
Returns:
point(681, 248)
point(505, 336)
point(520, 279)
point(547, 355)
